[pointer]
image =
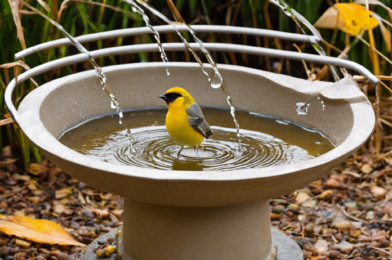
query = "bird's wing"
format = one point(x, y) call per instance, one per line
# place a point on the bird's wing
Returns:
point(197, 121)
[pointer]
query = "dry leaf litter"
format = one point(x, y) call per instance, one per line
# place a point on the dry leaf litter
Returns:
point(345, 215)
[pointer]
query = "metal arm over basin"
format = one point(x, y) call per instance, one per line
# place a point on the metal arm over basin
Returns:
point(166, 29)
point(180, 47)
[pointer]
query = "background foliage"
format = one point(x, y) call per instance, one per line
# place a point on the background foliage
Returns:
point(81, 18)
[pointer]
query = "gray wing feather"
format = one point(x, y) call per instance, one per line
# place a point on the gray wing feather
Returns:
point(197, 121)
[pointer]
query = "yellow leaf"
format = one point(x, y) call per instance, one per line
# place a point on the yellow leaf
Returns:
point(350, 18)
point(37, 169)
point(353, 18)
point(37, 230)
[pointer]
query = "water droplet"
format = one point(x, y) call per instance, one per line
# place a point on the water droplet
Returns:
point(216, 81)
point(167, 72)
point(134, 9)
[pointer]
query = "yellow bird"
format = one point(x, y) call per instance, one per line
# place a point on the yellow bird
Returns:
point(184, 120)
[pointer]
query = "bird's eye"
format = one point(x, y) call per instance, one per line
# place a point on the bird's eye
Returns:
point(173, 96)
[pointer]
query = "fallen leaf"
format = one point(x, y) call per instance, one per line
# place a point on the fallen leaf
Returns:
point(327, 194)
point(37, 230)
point(388, 197)
point(301, 197)
point(22, 243)
point(8, 161)
point(321, 246)
point(101, 212)
point(32, 186)
point(343, 225)
point(332, 183)
point(59, 209)
point(366, 168)
point(351, 18)
point(354, 174)
point(378, 192)
point(275, 216)
point(310, 203)
point(34, 200)
point(37, 169)
point(65, 192)
point(20, 212)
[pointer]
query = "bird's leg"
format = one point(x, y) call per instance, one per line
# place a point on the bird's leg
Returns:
point(178, 154)
point(196, 149)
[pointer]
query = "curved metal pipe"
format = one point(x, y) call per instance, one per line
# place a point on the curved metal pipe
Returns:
point(178, 47)
point(211, 47)
point(166, 29)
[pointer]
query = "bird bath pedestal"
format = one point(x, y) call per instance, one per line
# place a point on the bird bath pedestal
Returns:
point(194, 215)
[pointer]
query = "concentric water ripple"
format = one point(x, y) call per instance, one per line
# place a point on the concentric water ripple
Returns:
point(156, 149)
point(267, 142)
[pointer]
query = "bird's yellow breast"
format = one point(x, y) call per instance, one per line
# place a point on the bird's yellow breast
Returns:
point(178, 127)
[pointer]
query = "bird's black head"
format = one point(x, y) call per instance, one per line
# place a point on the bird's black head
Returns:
point(170, 97)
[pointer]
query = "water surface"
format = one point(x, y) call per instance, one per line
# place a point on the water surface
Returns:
point(266, 142)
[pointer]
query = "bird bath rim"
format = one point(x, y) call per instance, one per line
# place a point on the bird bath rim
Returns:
point(30, 121)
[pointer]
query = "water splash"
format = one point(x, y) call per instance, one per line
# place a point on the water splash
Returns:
point(98, 72)
point(217, 80)
point(157, 36)
point(303, 22)
point(302, 108)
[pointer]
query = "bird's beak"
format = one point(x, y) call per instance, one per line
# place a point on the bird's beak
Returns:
point(163, 96)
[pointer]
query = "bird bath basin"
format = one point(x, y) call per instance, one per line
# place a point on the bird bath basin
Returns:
point(193, 215)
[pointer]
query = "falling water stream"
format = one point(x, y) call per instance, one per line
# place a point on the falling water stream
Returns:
point(98, 72)
point(217, 80)
point(302, 108)
point(157, 37)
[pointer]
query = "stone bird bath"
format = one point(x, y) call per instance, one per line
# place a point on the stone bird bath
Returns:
point(194, 215)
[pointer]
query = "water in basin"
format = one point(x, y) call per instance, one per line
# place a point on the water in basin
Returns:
point(266, 142)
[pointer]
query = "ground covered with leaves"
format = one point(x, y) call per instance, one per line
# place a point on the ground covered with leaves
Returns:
point(345, 215)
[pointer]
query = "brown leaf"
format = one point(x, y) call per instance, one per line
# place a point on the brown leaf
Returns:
point(18, 24)
point(385, 32)
point(37, 169)
point(378, 192)
point(173, 9)
point(59, 209)
point(44, 5)
point(103, 213)
point(343, 225)
point(63, 193)
point(14, 65)
point(327, 194)
point(37, 230)
point(321, 246)
point(366, 168)
point(301, 197)
point(332, 183)
point(8, 161)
